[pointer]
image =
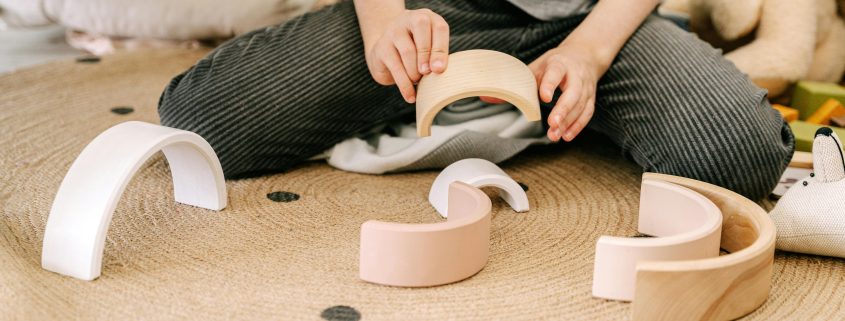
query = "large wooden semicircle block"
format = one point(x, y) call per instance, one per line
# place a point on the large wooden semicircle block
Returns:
point(474, 73)
point(725, 287)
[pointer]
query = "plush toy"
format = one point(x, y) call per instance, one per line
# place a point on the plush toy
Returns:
point(775, 42)
point(810, 217)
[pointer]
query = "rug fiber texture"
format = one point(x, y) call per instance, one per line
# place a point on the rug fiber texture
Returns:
point(286, 247)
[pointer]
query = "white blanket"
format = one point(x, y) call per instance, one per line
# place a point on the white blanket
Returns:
point(466, 129)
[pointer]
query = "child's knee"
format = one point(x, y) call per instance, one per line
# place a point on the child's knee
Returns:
point(186, 98)
point(167, 102)
point(746, 152)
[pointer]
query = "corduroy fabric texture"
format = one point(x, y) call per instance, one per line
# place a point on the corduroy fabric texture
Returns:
point(266, 259)
point(274, 97)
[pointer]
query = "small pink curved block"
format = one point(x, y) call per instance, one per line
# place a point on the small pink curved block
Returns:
point(418, 255)
point(686, 226)
point(86, 200)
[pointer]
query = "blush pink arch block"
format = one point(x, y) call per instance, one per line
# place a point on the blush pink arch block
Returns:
point(473, 73)
point(686, 226)
point(479, 173)
point(86, 200)
point(419, 255)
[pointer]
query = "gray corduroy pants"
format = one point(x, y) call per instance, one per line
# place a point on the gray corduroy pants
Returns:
point(274, 97)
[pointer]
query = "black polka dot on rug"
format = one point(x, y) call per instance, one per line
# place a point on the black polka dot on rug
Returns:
point(283, 196)
point(88, 59)
point(340, 313)
point(122, 110)
point(524, 187)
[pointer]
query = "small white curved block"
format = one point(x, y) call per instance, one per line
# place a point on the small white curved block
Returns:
point(473, 73)
point(479, 173)
point(686, 224)
point(417, 255)
point(83, 207)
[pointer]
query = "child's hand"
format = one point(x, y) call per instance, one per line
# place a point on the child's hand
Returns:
point(574, 70)
point(414, 44)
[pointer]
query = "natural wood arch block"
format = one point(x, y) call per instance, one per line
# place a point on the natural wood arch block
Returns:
point(801, 160)
point(474, 73)
point(86, 200)
point(686, 225)
point(720, 288)
point(418, 255)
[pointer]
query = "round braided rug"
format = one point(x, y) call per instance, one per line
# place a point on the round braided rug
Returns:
point(286, 247)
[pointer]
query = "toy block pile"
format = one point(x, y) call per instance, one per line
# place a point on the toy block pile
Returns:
point(814, 105)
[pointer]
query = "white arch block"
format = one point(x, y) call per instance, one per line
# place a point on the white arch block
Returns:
point(474, 73)
point(479, 173)
point(686, 226)
point(83, 207)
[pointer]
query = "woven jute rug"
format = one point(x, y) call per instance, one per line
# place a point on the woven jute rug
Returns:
point(293, 254)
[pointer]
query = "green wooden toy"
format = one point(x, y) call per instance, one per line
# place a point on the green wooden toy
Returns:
point(809, 96)
point(805, 133)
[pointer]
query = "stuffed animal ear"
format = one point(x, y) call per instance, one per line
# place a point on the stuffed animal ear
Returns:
point(828, 161)
point(733, 19)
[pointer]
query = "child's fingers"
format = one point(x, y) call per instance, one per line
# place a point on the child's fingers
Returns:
point(439, 43)
point(581, 122)
point(578, 106)
point(421, 29)
point(408, 53)
point(538, 67)
point(552, 78)
point(397, 71)
point(567, 101)
point(553, 135)
point(554, 121)
point(381, 73)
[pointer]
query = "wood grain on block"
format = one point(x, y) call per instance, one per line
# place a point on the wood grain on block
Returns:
point(801, 160)
point(805, 133)
point(720, 288)
point(809, 96)
point(789, 114)
point(831, 108)
point(475, 73)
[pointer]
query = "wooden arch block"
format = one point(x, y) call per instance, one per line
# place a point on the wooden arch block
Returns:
point(479, 173)
point(86, 200)
point(474, 73)
point(686, 225)
point(417, 255)
point(718, 288)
